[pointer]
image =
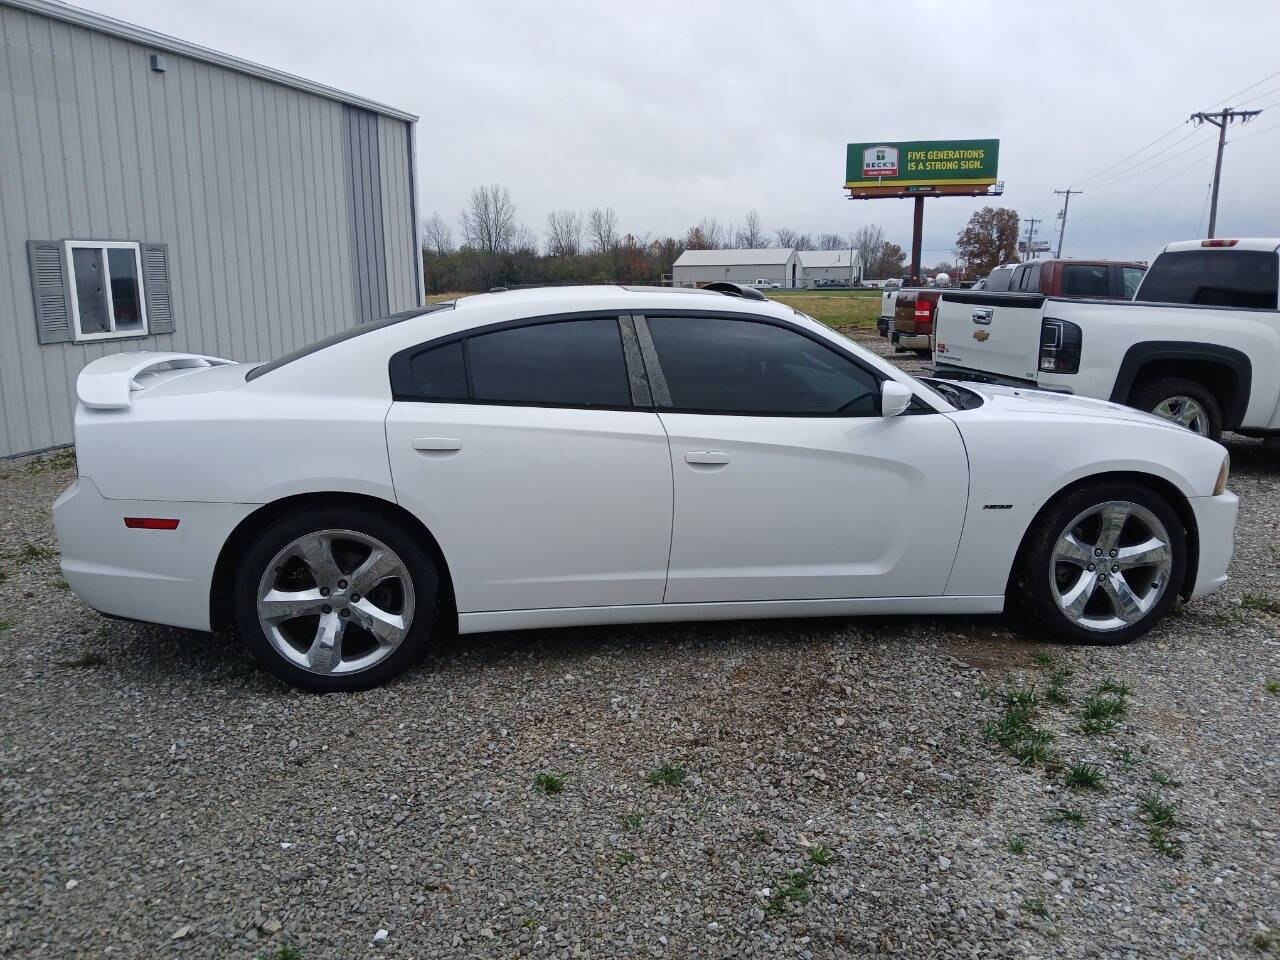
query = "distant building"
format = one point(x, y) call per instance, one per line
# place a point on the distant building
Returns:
point(158, 195)
point(829, 265)
point(776, 264)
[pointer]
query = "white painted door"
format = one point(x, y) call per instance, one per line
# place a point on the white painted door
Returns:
point(543, 487)
point(785, 499)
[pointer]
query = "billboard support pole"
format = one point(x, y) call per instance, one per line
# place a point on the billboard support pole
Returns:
point(917, 237)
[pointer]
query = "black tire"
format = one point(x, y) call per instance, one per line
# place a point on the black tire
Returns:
point(285, 530)
point(1151, 393)
point(1030, 589)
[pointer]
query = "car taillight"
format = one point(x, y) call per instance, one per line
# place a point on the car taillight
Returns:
point(1059, 346)
point(924, 317)
point(1218, 243)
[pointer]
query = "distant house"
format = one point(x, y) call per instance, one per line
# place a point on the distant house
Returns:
point(829, 265)
point(777, 264)
point(158, 195)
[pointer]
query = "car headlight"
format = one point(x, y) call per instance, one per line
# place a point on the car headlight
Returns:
point(1223, 472)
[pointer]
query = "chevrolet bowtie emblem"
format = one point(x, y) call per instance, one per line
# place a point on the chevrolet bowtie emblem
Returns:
point(981, 335)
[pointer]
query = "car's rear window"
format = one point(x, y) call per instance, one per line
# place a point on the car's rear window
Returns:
point(1219, 278)
point(347, 334)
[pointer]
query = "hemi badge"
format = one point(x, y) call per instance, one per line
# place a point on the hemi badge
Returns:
point(151, 523)
point(997, 506)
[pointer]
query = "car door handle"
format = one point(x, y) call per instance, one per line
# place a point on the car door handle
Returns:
point(709, 458)
point(430, 445)
point(983, 315)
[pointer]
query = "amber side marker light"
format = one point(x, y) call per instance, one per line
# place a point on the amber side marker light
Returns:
point(151, 523)
point(1224, 471)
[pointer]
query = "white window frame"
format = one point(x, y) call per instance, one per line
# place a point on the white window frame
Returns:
point(103, 246)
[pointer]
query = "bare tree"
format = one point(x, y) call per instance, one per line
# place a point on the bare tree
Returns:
point(602, 228)
point(751, 235)
point(564, 233)
point(831, 241)
point(437, 235)
point(713, 233)
point(489, 221)
point(867, 241)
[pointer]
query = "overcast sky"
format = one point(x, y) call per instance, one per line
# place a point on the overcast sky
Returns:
point(671, 112)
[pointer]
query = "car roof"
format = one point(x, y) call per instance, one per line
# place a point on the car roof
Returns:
point(616, 297)
point(1266, 244)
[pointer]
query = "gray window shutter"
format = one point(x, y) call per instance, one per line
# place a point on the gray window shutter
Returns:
point(155, 282)
point(50, 289)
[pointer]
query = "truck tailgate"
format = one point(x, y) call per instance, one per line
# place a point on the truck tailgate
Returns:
point(995, 333)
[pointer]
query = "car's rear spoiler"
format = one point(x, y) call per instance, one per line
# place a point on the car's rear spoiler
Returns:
point(109, 383)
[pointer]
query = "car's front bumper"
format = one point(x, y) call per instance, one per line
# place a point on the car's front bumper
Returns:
point(1216, 527)
point(160, 576)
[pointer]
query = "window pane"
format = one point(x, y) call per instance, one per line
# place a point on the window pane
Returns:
point(1220, 278)
point(439, 374)
point(91, 292)
point(126, 297)
point(1082, 280)
point(574, 362)
point(738, 366)
point(1132, 278)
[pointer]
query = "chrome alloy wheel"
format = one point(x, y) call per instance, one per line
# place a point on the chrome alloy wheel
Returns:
point(1185, 412)
point(336, 602)
point(1110, 566)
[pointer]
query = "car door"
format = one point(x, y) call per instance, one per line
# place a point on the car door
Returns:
point(789, 485)
point(522, 448)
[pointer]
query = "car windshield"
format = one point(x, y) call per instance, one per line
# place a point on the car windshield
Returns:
point(343, 335)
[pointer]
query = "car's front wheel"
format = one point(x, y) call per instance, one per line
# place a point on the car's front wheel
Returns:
point(335, 599)
point(1103, 564)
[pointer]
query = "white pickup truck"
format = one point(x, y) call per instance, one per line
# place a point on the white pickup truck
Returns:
point(1198, 344)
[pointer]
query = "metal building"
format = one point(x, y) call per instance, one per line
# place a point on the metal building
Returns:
point(157, 195)
point(777, 264)
point(841, 265)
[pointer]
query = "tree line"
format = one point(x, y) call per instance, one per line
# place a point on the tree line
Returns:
point(494, 248)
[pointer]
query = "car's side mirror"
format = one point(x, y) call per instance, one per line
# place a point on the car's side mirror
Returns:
point(894, 398)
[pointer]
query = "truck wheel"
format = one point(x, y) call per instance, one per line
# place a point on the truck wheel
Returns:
point(1103, 564)
point(1185, 402)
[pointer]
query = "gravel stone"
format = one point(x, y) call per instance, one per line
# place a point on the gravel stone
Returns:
point(160, 795)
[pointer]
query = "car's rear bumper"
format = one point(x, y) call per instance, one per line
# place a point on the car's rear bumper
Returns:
point(160, 576)
point(911, 341)
point(1216, 526)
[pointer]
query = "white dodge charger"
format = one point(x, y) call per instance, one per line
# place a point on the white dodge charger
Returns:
point(602, 455)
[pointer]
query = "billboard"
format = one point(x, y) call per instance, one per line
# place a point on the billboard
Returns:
point(921, 163)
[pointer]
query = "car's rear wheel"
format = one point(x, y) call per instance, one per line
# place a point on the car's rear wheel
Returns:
point(335, 599)
point(1185, 402)
point(1104, 564)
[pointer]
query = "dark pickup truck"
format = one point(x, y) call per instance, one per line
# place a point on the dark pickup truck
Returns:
point(913, 316)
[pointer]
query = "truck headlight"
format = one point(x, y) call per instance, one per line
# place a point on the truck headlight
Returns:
point(1224, 471)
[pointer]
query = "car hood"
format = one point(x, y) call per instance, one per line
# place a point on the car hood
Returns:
point(1041, 402)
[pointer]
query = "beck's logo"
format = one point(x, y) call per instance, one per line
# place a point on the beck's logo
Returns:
point(879, 162)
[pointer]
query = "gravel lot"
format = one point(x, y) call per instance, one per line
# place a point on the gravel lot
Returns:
point(830, 791)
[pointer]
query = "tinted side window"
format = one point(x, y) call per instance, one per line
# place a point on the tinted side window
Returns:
point(999, 279)
point(1220, 278)
point(1131, 278)
point(717, 365)
point(1033, 279)
point(1084, 280)
point(440, 373)
point(565, 363)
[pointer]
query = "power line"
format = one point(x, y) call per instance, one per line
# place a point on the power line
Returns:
point(1258, 83)
point(1138, 196)
point(1205, 208)
point(1264, 93)
point(1139, 169)
point(1274, 126)
point(1130, 156)
point(1221, 120)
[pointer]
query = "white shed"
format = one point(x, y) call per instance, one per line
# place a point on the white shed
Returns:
point(839, 265)
point(777, 264)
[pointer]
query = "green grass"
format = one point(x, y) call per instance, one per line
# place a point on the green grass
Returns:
point(667, 775)
point(626, 857)
point(6, 625)
point(631, 821)
point(1100, 707)
point(1044, 659)
point(287, 952)
point(821, 855)
point(1261, 602)
point(1266, 941)
point(30, 552)
point(1084, 776)
point(1016, 845)
point(1066, 815)
point(550, 783)
point(1095, 727)
point(83, 662)
point(1159, 813)
point(789, 890)
point(63, 459)
point(1115, 689)
point(1036, 906)
point(834, 308)
point(1273, 686)
point(1162, 778)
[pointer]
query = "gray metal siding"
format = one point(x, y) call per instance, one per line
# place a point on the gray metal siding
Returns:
point(364, 209)
point(245, 181)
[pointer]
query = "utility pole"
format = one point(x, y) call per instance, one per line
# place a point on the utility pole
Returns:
point(1222, 119)
point(1031, 234)
point(1062, 228)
